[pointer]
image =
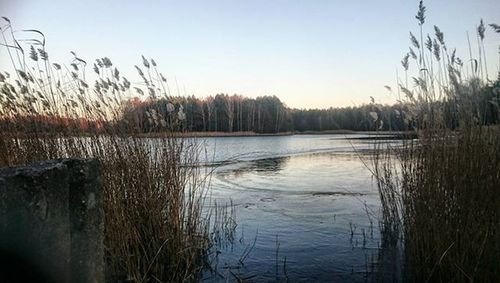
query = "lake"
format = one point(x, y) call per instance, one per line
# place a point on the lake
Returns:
point(307, 208)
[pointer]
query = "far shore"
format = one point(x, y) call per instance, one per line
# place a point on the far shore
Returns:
point(253, 134)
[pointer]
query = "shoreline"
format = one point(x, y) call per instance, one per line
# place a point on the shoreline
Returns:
point(254, 134)
point(232, 134)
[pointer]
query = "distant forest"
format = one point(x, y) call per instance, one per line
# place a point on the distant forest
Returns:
point(268, 114)
point(264, 114)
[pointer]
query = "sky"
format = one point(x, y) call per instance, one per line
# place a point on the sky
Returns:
point(311, 54)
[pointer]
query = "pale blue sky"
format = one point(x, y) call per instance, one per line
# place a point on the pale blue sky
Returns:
point(309, 53)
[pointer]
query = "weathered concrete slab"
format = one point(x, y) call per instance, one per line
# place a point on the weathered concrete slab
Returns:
point(86, 221)
point(51, 222)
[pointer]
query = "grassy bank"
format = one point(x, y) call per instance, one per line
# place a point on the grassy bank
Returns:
point(441, 193)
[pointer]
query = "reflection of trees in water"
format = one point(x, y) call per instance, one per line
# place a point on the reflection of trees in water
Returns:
point(269, 164)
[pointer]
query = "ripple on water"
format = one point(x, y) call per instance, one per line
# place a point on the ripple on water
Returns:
point(321, 206)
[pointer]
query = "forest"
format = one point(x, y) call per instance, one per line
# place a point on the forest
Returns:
point(265, 115)
point(268, 114)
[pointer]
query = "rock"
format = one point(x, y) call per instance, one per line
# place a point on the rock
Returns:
point(51, 222)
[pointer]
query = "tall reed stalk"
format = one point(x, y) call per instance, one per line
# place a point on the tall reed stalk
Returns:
point(155, 230)
point(441, 193)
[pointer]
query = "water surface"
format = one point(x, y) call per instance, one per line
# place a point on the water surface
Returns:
point(306, 208)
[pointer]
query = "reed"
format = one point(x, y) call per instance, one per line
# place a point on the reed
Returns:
point(440, 193)
point(155, 229)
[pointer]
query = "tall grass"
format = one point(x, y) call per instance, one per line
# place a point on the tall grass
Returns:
point(441, 193)
point(155, 230)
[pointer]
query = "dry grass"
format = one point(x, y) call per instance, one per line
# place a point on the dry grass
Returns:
point(442, 199)
point(441, 193)
point(155, 229)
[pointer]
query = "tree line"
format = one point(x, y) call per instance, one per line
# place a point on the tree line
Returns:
point(264, 114)
point(268, 114)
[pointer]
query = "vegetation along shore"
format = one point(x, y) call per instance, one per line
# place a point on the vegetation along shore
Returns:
point(438, 190)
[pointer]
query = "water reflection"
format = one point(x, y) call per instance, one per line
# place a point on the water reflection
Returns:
point(266, 166)
point(236, 149)
point(390, 261)
point(270, 164)
point(316, 195)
